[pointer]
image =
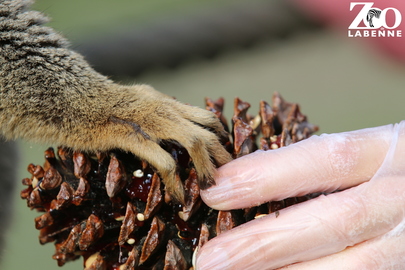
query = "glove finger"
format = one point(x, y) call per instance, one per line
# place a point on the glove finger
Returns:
point(319, 164)
point(394, 161)
point(383, 252)
point(310, 230)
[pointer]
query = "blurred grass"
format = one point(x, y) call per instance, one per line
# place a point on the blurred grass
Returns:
point(78, 19)
point(341, 85)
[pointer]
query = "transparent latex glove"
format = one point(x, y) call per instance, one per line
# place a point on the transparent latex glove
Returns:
point(362, 226)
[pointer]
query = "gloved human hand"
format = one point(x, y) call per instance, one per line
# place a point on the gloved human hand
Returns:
point(359, 222)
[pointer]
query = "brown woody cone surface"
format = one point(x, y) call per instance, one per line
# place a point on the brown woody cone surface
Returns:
point(112, 209)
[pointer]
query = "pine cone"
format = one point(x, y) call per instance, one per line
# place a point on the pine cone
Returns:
point(112, 208)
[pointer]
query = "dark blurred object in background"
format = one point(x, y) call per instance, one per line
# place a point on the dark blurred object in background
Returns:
point(8, 181)
point(204, 33)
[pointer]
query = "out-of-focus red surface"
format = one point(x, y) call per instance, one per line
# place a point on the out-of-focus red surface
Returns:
point(337, 14)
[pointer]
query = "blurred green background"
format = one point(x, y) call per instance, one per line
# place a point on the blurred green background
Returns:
point(341, 85)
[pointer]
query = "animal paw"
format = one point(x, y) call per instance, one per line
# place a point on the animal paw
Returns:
point(151, 118)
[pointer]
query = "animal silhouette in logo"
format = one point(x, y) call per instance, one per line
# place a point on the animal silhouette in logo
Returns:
point(371, 14)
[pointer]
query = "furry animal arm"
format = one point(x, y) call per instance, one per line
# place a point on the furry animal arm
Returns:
point(49, 93)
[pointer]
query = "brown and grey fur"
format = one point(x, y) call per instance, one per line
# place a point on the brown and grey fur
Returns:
point(49, 93)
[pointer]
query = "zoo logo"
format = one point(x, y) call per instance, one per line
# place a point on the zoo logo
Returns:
point(374, 18)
